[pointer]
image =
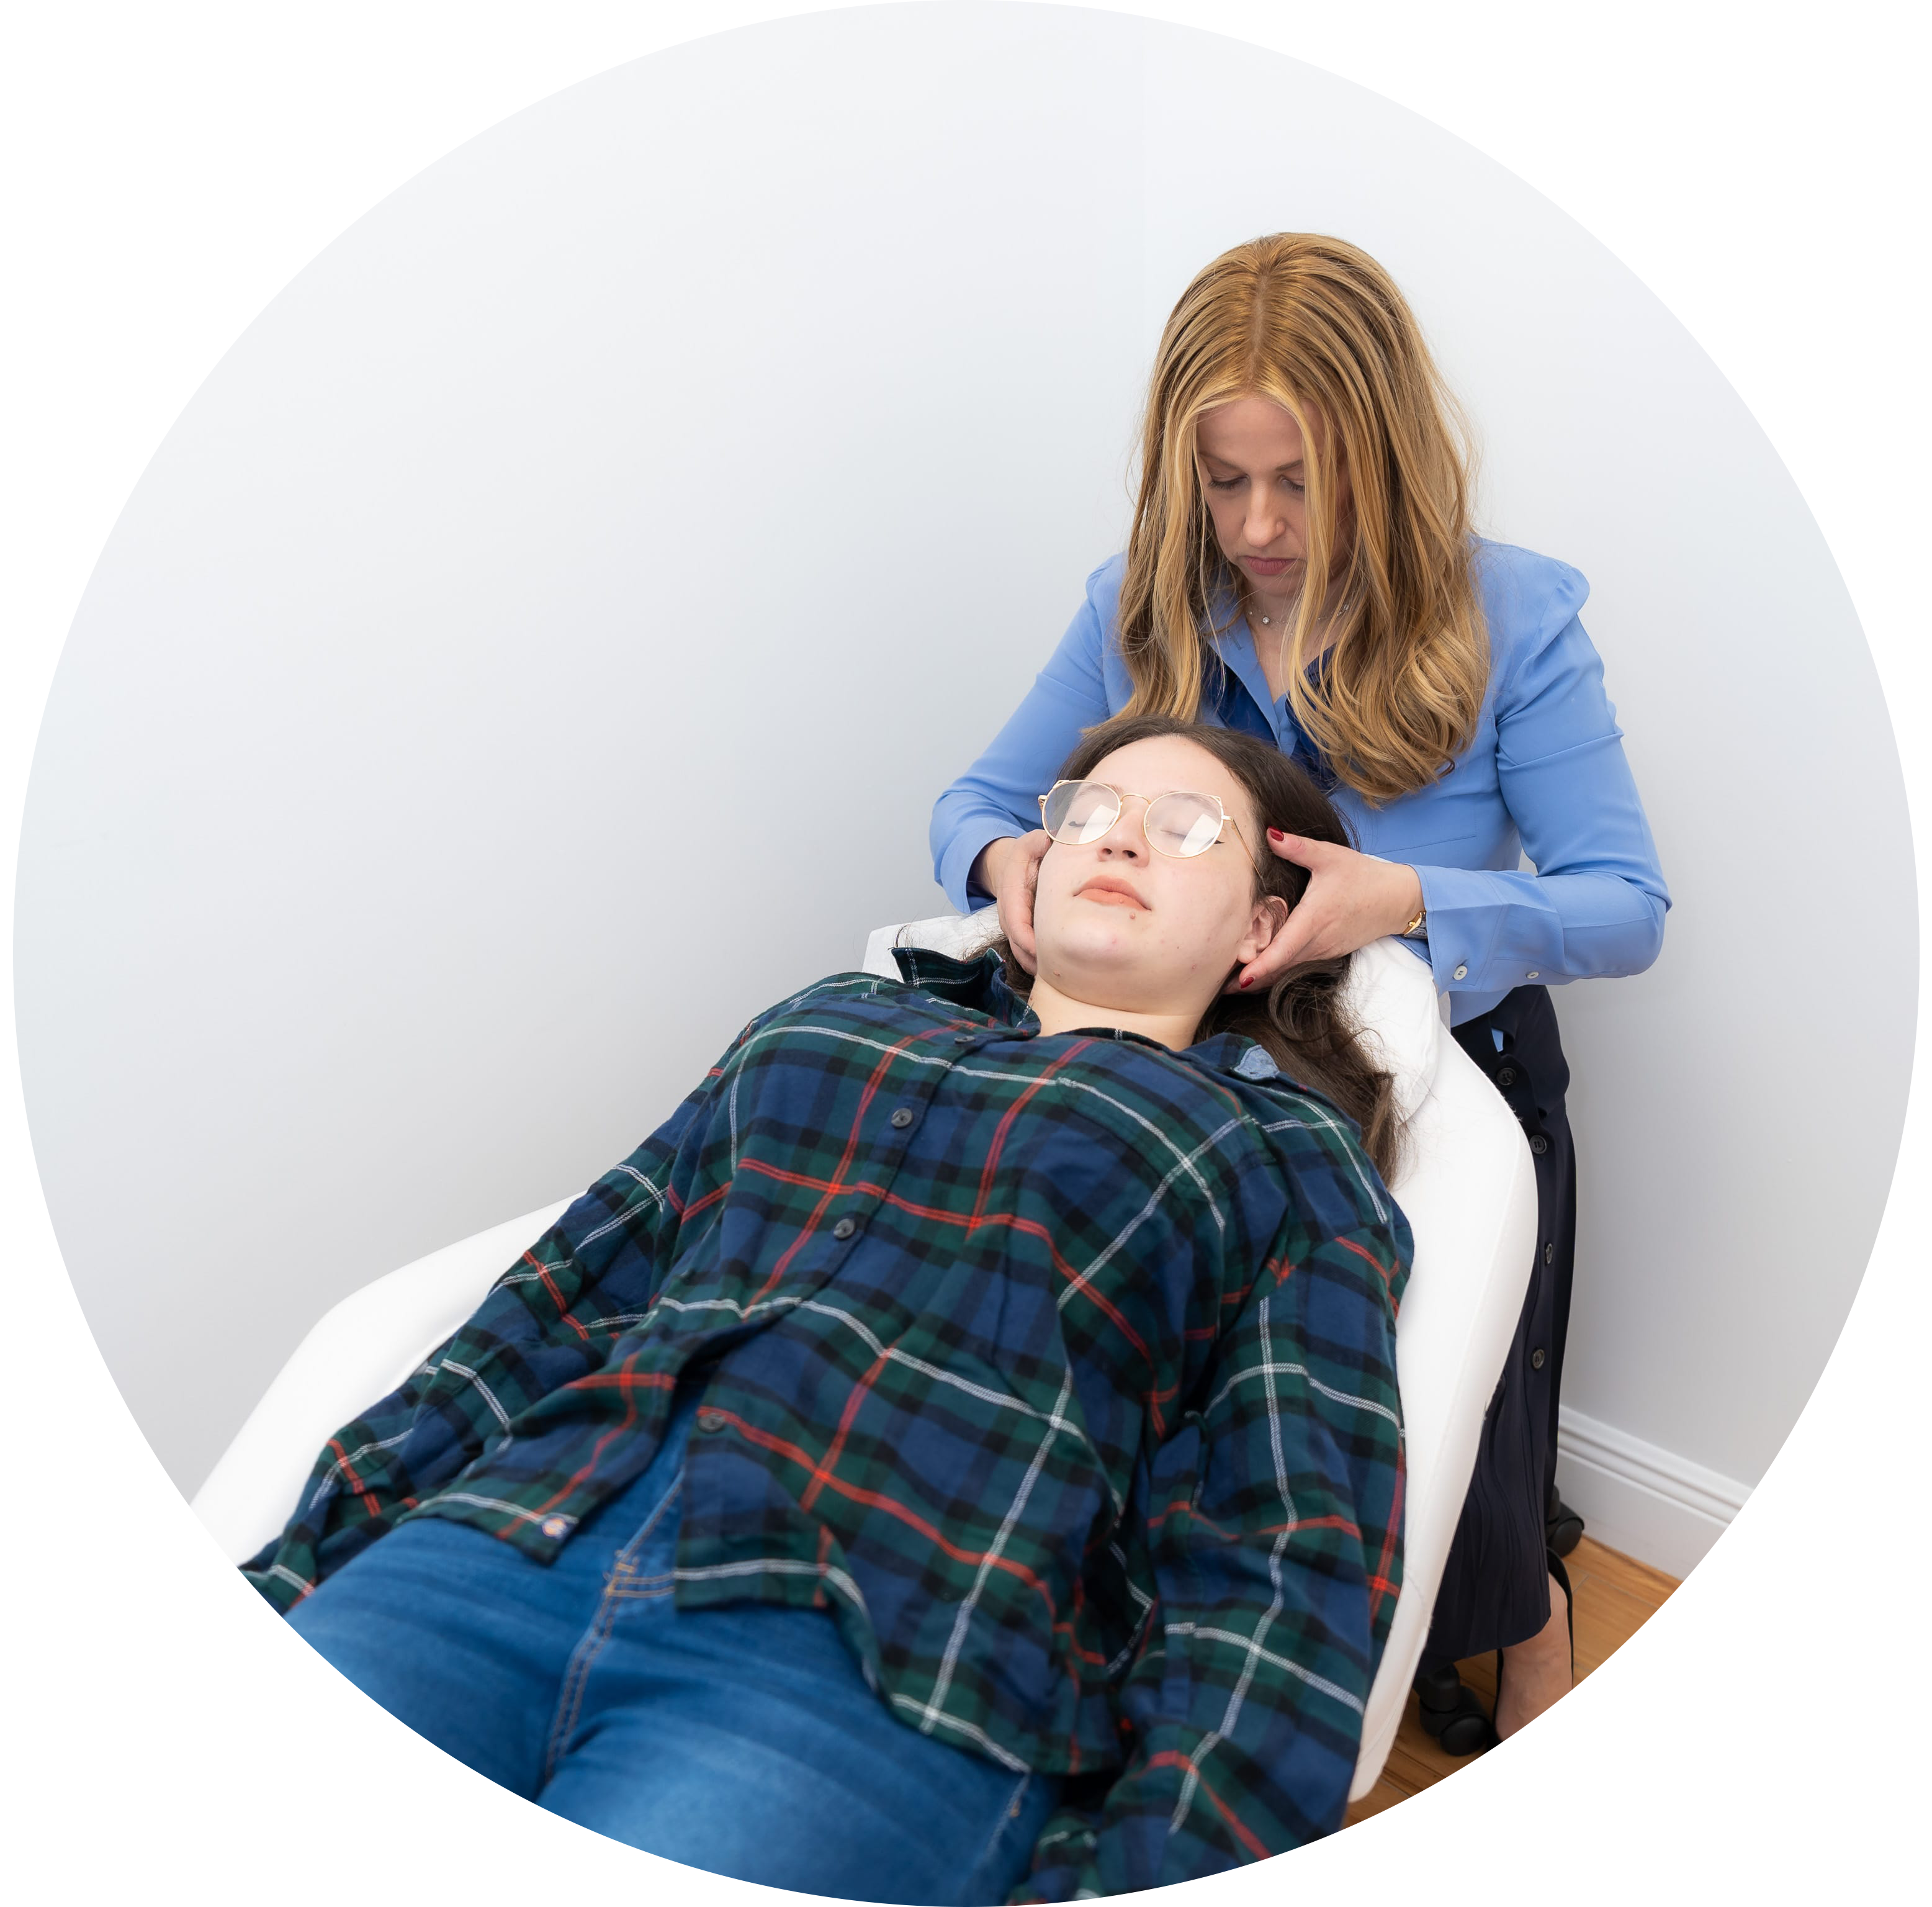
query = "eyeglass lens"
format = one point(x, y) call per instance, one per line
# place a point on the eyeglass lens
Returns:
point(1177, 823)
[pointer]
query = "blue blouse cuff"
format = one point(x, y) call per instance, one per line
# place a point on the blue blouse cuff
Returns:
point(956, 865)
point(1488, 931)
point(1459, 927)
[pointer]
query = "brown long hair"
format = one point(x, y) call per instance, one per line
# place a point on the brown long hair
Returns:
point(1300, 1021)
point(1317, 326)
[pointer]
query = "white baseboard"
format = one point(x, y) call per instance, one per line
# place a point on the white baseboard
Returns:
point(1817, 1579)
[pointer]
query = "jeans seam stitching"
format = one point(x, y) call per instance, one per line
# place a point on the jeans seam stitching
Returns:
point(590, 1645)
point(570, 1699)
point(1000, 1825)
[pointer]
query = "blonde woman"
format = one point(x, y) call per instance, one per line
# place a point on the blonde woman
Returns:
point(1301, 566)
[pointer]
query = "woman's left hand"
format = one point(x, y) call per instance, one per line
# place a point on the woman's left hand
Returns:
point(1351, 899)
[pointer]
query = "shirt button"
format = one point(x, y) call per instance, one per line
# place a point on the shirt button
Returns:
point(554, 1526)
point(1536, 1360)
point(902, 1118)
point(962, 1039)
point(1549, 1253)
point(1533, 974)
point(844, 1228)
point(1462, 972)
point(1539, 1144)
point(710, 1421)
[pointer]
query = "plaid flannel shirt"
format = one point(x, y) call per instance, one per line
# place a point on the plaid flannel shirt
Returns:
point(1061, 1370)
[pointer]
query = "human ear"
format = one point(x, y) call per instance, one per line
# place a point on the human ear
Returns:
point(1269, 916)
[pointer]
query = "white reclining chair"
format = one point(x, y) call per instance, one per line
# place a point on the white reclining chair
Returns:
point(1466, 1185)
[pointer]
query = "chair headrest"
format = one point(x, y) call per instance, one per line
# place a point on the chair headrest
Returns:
point(1391, 996)
point(959, 936)
point(1389, 993)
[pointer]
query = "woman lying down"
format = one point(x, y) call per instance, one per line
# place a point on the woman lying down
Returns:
point(957, 1457)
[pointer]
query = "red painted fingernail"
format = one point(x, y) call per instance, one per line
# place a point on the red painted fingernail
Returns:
point(1275, 834)
point(1244, 983)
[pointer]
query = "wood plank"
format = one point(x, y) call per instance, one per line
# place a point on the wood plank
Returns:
point(1768, 1713)
point(1463, 1790)
point(1399, 1853)
point(1778, 1649)
point(1645, 1865)
point(1739, 1807)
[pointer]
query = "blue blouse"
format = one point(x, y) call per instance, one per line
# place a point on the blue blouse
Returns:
point(1544, 778)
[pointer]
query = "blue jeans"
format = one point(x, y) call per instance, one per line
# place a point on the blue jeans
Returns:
point(741, 1740)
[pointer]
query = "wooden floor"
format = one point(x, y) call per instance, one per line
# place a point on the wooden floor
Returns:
point(1722, 1763)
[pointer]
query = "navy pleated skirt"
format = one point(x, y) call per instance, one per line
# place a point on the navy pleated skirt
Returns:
point(1495, 1589)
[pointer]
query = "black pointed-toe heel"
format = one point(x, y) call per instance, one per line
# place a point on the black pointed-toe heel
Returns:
point(1562, 1527)
point(1533, 1783)
point(1450, 1714)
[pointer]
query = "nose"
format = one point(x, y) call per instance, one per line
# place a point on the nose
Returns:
point(1127, 838)
point(1265, 521)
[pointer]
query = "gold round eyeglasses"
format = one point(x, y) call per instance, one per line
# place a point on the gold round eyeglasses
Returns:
point(1179, 824)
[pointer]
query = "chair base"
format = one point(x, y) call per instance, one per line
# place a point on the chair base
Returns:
point(1562, 1527)
point(1450, 1713)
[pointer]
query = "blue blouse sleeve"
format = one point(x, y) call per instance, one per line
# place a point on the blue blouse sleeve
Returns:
point(1595, 905)
point(998, 797)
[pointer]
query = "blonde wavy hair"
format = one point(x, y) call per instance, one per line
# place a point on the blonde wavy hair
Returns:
point(1316, 325)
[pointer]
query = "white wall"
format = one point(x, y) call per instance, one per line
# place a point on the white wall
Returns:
point(747, 419)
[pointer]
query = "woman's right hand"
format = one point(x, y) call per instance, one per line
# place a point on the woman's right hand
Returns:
point(1009, 870)
point(181, 1689)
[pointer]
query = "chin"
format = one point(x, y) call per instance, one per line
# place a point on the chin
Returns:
point(1095, 944)
point(1106, 969)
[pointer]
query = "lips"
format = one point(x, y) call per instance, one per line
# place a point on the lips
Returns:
point(1111, 893)
point(1267, 565)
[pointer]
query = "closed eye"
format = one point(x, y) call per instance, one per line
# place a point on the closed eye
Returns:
point(1292, 486)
